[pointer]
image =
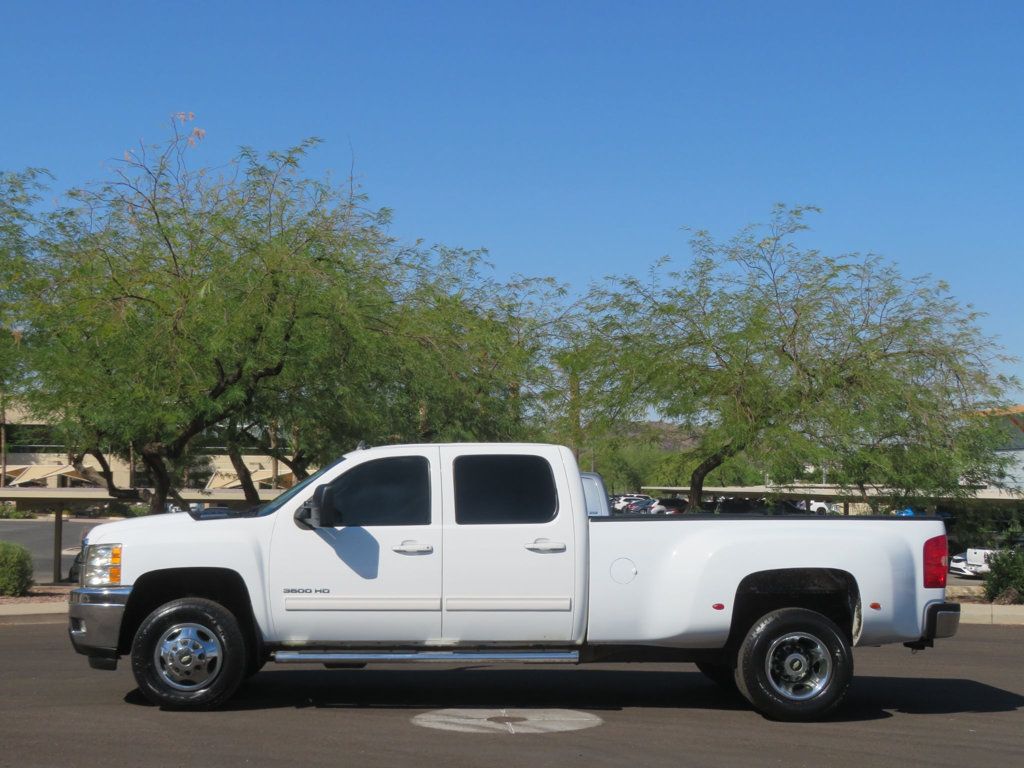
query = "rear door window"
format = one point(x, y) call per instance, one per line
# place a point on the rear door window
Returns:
point(502, 489)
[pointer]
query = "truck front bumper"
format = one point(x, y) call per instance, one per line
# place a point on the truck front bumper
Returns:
point(94, 623)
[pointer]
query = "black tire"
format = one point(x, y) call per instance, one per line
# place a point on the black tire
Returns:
point(723, 675)
point(189, 654)
point(794, 665)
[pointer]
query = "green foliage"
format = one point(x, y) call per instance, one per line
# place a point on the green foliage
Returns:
point(677, 467)
point(15, 569)
point(120, 509)
point(780, 359)
point(448, 359)
point(170, 304)
point(9, 511)
point(1006, 574)
point(984, 526)
point(18, 193)
point(171, 308)
point(626, 465)
point(177, 295)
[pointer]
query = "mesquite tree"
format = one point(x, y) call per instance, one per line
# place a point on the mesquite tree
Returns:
point(250, 301)
point(787, 359)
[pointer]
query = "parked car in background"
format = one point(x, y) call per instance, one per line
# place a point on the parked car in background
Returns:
point(957, 565)
point(972, 564)
point(733, 506)
point(214, 513)
point(669, 507)
point(639, 507)
point(75, 572)
point(621, 502)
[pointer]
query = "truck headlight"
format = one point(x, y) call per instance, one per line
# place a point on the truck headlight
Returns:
point(101, 566)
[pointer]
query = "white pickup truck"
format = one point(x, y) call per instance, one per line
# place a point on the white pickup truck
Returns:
point(485, 553)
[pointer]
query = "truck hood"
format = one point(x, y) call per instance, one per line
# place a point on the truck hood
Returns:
point(167, 527)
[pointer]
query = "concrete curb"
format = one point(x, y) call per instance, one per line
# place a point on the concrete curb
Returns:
point(33, 609)
point(986, 613)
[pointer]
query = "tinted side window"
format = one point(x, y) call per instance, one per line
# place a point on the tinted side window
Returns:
point(504, 489)
point(393, 491)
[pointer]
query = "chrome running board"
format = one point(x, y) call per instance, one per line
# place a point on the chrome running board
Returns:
point(428, 657)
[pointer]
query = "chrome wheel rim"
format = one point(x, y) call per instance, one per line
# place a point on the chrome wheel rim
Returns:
point(798, 666)
point(188, 657)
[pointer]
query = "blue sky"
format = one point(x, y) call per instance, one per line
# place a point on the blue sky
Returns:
point(574, 139)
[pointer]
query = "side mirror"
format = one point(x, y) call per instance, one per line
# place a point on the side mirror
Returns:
point(311, 514)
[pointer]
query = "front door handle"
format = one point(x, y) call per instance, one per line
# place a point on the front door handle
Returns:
point(545, 545)
point(412, 548)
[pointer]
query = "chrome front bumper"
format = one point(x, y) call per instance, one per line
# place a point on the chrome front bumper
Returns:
point(94, 622)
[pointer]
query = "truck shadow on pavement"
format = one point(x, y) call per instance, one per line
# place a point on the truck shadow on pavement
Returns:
point(870, 698)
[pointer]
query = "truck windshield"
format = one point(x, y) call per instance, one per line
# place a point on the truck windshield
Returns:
point(272, 506)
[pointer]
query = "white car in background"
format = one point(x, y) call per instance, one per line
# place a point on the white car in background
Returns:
point(972, 564)
point(668, 506)
point(822, 507)
point(624, 501)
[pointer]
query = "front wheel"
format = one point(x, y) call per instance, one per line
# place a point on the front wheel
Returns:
point(189, 654)
point(794, 664)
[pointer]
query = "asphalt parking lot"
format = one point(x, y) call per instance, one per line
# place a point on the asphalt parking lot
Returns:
point(946, 706)
point(37, 536)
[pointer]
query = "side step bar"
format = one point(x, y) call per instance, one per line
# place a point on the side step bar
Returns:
point(428, 657)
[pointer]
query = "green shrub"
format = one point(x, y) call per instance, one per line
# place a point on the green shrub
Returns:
point(11, 512)
point(114, 508)
point(15, 569)
point(1006, 579)
point(137, 510)
point(118, 509)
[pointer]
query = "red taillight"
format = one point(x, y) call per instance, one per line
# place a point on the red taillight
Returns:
point(936, 562)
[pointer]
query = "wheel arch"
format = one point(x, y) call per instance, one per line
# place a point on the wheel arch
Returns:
point(221, 585)
point(829, 591)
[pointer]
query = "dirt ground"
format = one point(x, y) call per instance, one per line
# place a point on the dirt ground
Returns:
point(41, 594)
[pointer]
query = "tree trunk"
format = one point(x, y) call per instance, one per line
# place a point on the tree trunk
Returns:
point(105, 476)
point(3, 447)
point(421, 424)
point(252, 496)
point(161, 481)
point(274, 461)
point(298, 463)
point(712, 462)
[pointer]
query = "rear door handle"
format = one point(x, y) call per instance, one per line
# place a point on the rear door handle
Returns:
point(545, 545)
point(412, 548)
